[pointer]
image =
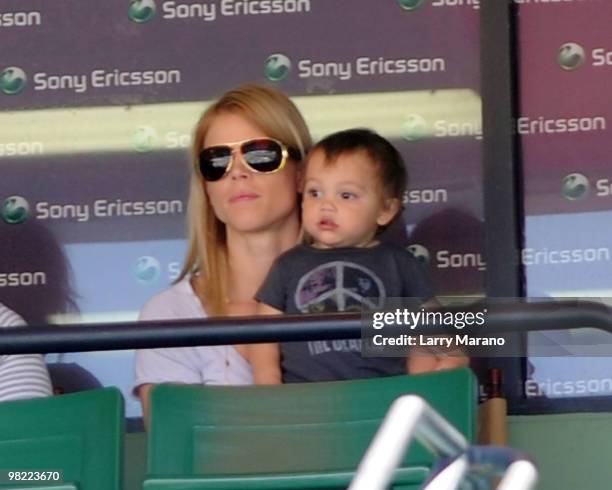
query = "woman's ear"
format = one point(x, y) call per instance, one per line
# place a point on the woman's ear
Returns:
point(391, 207)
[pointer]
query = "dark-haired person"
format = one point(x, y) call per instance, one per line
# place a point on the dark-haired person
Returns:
point(353, 186)
point(22, 376)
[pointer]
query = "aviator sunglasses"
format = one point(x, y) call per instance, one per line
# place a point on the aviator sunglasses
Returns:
point(261, 155)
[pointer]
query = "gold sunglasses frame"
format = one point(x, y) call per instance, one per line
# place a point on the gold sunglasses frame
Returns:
point(286, 151)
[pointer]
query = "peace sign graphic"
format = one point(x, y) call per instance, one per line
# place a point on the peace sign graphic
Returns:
point(339, 286)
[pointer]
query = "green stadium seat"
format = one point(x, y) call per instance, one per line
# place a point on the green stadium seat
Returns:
point(294, 436)
point(79, 434)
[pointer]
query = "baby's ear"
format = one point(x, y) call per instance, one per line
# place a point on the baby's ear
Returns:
point(391, 207)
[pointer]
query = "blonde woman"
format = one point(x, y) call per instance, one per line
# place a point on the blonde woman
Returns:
point(243, 213)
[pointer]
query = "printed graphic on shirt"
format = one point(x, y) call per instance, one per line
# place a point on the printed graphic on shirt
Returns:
point(339, 286)
point(316, 347)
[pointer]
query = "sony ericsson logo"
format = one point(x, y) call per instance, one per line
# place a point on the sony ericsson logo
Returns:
point(445, 259)
point(21, 148)
point(20, 19)
point(541, 125)
point(411, 5)
point(571, 56)
point(425, 196)
point(144, 139)
point(575, 187)
point(277, 67)
point(546, 256)
point(146, 269)
point(414, 127)
point(15, 210)
point(141, 11)
point(420, 253)
point(13, 80)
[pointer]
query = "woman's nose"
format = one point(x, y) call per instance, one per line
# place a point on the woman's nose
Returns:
point(239, 169)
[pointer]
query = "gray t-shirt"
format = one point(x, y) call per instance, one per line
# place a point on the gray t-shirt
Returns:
point(310, 280)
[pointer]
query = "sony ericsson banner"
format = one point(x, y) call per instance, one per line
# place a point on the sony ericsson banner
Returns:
point(85, 202)
point(137, 269)
point(566, 141)
point(99, 106)
point(161, 50)
point(114, 178)
point(565, 75)
point(566, 106)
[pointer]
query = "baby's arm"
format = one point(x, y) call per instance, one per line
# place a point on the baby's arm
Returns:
point(265, 358)
point(423, 360)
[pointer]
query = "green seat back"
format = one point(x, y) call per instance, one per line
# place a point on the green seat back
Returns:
point(79, 434)
point(258, 435)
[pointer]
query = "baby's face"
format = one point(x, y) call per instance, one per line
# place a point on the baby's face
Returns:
point(343, 202)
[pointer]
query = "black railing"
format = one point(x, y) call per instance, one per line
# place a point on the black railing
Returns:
point(286, 328)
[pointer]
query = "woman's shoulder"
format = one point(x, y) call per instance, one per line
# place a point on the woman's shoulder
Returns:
point(178, 301)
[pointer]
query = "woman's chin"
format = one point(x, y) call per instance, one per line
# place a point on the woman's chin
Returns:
point(252, 225)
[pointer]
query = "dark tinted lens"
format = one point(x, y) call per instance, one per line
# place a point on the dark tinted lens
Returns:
point(262, 155)
point(214, 161)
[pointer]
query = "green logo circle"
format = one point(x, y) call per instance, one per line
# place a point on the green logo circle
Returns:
point(575, 187)
point(410, 4)
point(414, 128)
point(277, 67)
point(147, 269)
point(13, 80)
point(144, 139)
point(141, 11)
point(15, 210)
point(571, 56)
point(420, 253)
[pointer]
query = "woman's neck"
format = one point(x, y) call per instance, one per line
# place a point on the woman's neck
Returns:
point(250, 257)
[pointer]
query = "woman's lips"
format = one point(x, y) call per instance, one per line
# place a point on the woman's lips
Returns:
point(243, 196)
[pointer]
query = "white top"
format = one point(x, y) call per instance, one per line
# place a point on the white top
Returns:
point(22, 376)
point(208, 365)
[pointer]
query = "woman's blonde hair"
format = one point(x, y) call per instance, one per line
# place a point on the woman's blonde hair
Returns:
point(273, 113)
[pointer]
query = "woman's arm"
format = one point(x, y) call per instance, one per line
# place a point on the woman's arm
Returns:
point(144, 392)
point(22, 376)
